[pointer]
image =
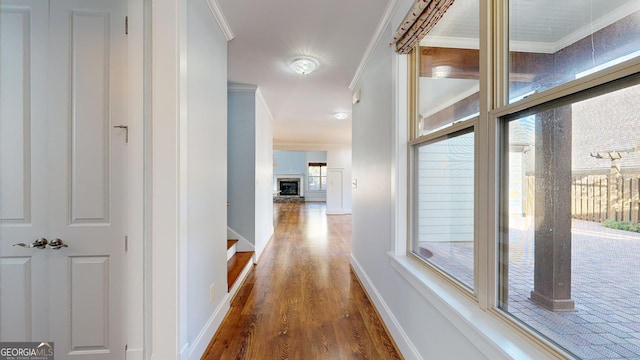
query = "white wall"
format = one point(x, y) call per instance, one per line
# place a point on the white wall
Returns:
point(163, 266)
point(241, 166)
point(264, 175)
point(206, 181)
point(420, 329)
point(338, 157)
point(250, 167)
point(186, 248)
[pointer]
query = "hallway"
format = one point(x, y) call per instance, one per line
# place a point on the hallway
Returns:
point(302, 301)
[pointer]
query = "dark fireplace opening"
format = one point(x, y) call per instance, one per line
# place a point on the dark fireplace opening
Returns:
point(289, 188)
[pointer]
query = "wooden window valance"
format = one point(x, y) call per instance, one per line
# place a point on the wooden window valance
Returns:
point(419, 21)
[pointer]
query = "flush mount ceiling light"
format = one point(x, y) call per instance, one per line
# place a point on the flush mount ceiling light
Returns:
point(304, 65)
point(340, 115)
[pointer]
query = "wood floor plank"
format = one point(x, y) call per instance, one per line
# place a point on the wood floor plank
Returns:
point(302, 300)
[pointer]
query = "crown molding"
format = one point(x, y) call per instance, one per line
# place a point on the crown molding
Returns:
point(307, 146)
point(373, 43)
point(246, 88)
point(218, 15)
point(241, 88)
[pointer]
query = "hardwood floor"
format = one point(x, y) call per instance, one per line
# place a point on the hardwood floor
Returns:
point(302, 301)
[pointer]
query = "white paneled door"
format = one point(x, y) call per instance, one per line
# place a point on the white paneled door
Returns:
point(334, 190)
point(62, 161)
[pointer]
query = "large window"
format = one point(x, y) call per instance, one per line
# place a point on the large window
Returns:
point(317, 177)
point(571, 185)
point(443, 203)
point(558, 153)
point(446, 102)
point(570, 174)
point(448, 70)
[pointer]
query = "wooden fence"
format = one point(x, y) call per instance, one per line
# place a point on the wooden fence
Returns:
point(596, 198)
point(592, 198)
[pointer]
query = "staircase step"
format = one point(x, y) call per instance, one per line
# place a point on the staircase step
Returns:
point(231, 248)
point(235, 265)
point(231, 242)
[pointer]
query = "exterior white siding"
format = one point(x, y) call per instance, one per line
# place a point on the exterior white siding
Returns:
point(445, 190)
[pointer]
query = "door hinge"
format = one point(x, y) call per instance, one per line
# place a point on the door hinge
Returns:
point(126, 25)
point(126, 243)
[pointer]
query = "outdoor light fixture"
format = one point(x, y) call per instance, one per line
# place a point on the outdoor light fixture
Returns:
point(304, 65)
point(340, 115)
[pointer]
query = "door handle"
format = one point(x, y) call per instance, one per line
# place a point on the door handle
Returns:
point(57, 244)
point(38, 244)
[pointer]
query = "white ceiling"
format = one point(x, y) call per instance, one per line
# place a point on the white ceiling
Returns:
point(267, 34)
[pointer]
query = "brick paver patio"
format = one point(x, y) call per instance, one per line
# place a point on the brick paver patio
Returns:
point(605, 287)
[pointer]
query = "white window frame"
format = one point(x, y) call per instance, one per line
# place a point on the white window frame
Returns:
point(413, 146)
point(410, 102)
point(322, 188)
point(477, 316)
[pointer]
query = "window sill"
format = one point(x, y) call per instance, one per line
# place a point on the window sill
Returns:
point(494, 338)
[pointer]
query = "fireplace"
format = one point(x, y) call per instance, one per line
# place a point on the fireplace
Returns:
point(289, 187)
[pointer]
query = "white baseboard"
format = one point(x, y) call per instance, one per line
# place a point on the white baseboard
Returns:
point(257, 257)
point(183, 351)
point(243, 244)
point(405, 345)
point(134, 354)
point(206, 334)
point(264, 245)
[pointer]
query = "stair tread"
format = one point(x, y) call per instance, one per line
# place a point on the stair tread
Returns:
point(235, 265)
point(231, 242)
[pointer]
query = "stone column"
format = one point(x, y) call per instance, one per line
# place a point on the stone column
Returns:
point(552, 271)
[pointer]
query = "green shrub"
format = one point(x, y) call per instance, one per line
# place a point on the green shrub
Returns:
point(621, 225)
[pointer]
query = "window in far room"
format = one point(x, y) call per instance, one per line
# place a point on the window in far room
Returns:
point(317, 176)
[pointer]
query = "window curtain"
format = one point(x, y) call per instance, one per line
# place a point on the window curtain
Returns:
point(419, 21)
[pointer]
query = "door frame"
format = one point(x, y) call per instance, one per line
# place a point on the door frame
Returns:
point(165, 296)
point(165, 176)
point(136, 187)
